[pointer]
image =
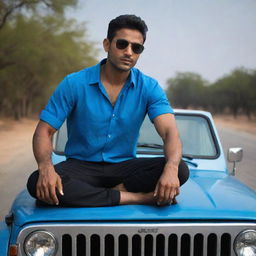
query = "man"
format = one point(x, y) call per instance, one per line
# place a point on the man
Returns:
point(105, 106)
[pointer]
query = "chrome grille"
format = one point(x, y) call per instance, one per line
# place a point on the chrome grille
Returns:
point(147, 245)
point(184, 239)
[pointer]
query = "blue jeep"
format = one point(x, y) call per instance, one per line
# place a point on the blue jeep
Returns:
point(215, 214)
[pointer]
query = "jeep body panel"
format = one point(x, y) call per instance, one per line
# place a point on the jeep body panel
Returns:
point(202, 198)
point(4, 238)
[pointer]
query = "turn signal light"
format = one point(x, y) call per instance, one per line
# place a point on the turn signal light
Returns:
point(13, 250)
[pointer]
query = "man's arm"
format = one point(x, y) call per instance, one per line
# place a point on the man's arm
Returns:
point(48, 180)
point(168, 185)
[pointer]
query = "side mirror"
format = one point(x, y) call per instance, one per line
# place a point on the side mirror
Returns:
point(235, 155)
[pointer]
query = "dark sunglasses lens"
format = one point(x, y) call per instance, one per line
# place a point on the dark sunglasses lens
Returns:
point(137, 48)
point(121, 44)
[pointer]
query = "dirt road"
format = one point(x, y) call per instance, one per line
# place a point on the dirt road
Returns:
point(16, 159)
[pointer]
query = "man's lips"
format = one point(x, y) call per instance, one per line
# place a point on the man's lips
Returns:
point(126, 60)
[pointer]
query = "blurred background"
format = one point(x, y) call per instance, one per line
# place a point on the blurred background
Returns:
point(202, 52)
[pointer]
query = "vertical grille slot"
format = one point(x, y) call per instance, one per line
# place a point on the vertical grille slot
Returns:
point(198, 245)
point(148, 245)
point(185, 245)
point(80, 245)
point(136, 245)
point(160, 245)
point(212, 245)
point(173, 245)
point(123, 245)
point(225, 245)
point(95, 245)
point(66, 245)
point(109, 245)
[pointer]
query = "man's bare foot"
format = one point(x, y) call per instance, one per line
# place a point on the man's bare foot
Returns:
point(138, 198)
point(120, 187)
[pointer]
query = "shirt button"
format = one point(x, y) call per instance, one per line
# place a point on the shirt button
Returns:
point(109, 135)
point(113, 115)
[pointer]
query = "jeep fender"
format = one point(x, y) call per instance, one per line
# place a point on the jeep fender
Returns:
point(4, 238)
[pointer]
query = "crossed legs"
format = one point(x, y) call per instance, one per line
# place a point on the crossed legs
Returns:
point(106, 184)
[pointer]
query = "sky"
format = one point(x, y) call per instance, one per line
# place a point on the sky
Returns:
point(208, 37)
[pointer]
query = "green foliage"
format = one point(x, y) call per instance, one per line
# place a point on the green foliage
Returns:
point(35, 54)
point(235, 92)
point(9, 8)
point(186, 89)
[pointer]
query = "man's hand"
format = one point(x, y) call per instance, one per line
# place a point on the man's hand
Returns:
point(47, 184)
point(167, 188)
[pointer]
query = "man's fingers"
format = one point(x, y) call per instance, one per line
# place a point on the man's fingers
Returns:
point(53, 195)
point(156, 190)
point(167, 196)
point(38, 193)
point(161, 192)
point(174, 201)
point(173, 193)
point(43, 196)
point(59, 186)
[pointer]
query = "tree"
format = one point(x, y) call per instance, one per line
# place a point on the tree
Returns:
point(10, 7)
point(186, 89)
point(235, 91)
point(42, 51)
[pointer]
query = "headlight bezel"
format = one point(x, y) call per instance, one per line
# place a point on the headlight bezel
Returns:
point(36, 232)
point(239, 236)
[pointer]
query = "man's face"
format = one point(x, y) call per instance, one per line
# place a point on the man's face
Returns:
point(123, 59)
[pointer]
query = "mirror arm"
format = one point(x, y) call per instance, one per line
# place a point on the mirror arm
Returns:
point(234, 169)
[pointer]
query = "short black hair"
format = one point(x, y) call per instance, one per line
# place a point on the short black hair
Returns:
point(126, 21)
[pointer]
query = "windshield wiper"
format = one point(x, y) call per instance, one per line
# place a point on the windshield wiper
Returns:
point(189, 157)
point(149, 145)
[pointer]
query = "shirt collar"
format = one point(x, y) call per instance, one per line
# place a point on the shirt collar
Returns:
point(95, 75)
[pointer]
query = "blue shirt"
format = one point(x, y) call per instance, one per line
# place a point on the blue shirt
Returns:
point(97, 130)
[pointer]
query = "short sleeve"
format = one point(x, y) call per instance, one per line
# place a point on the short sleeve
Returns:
point(158, 103)
point(59, 105)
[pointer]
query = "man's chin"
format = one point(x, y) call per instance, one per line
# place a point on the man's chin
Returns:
point(124, 68)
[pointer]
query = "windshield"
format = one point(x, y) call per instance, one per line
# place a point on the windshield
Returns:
point(195, 133)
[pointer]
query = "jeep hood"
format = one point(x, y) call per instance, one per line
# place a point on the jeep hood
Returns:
point(202, 198)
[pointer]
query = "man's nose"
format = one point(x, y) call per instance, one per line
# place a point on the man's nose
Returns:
point(128, 50)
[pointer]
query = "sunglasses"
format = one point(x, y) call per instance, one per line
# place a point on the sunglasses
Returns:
point(122, 44)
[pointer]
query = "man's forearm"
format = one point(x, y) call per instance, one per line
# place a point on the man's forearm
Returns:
point(48, 180)
point(172, 150)
point(42, 147)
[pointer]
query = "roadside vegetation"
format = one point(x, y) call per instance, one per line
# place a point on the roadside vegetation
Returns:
point(38, 47)
point(234, 93)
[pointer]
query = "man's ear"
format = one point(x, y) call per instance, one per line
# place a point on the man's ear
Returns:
point(106, 44)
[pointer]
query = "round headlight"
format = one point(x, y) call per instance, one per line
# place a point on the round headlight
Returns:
point(245, 243)
point(40, 243)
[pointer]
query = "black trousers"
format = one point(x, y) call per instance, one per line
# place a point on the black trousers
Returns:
point(90, 183)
